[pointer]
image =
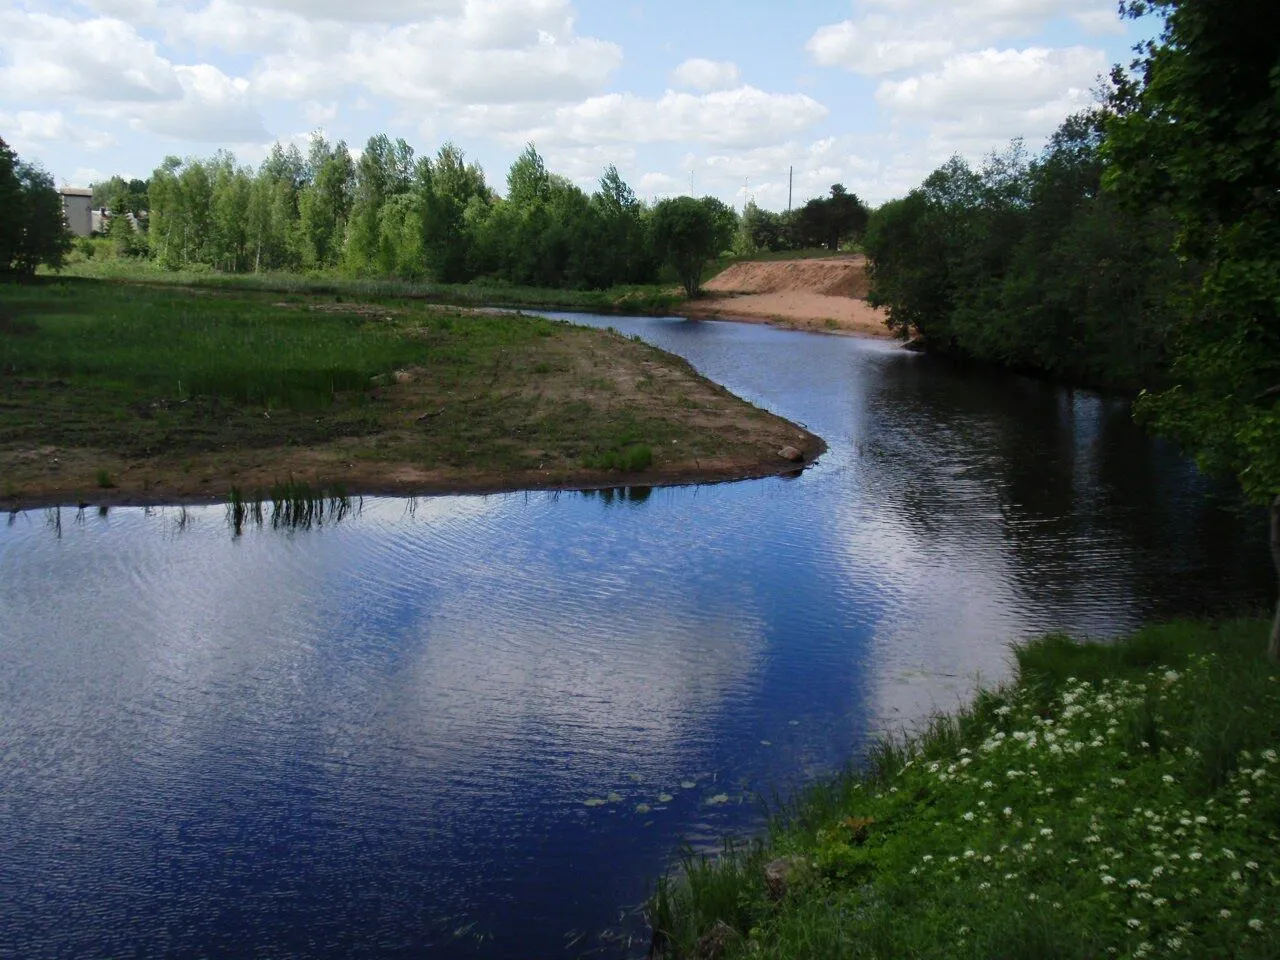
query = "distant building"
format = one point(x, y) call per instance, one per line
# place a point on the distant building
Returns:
point(77, 208)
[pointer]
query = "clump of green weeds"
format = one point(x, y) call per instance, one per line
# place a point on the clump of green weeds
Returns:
point(630, 458)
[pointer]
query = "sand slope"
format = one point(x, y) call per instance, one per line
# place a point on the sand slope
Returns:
point(824, 294)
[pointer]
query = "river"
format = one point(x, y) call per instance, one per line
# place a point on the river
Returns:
point(481, 726)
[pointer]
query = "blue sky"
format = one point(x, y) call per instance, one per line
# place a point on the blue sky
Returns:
point(871, 93)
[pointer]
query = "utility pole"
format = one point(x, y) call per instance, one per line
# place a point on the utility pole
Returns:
point(791, 180)
point(691, 183)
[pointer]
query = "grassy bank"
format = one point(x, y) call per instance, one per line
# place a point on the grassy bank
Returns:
point(116, 392)
point(648, 300)
point(1118, 800)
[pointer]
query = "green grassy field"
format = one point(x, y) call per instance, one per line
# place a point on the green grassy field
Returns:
point(655, 299)
point(160, 391)
point(1115, 801)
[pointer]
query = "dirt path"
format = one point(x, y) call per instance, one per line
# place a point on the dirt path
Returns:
point(825, 295)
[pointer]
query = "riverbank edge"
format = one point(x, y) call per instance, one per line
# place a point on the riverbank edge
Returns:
point(461, 486)
point(1000, 830)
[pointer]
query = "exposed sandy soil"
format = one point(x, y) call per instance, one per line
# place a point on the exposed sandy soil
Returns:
point(825, 295)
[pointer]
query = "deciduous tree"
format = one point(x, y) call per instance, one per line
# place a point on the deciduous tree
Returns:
point(1199, 135)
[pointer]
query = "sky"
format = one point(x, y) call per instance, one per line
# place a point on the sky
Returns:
point(723, 96)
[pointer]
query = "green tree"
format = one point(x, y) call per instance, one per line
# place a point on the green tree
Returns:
point(760, 231)
point(528, 182)
point(272, 227)
point(118, 193)
point(1199, 135)
point(385, 170)
point(620, 248)
point(830, 221)
point(324, 205)
point(455, 206)
point(33, 231)
point(10, 207)
point(685, 233)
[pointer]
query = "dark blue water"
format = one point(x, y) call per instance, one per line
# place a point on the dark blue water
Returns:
point(379, 738)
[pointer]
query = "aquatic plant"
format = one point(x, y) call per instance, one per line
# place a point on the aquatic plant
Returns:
point(290, 505)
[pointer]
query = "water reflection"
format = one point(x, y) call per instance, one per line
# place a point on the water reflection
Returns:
point(379, 737)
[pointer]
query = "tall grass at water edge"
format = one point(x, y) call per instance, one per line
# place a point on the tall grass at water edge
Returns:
point(289, 506)
point(1116, 800)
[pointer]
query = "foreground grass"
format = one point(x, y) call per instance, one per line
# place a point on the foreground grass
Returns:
point(1118, 800)
point(116, 391)
point(644, 300)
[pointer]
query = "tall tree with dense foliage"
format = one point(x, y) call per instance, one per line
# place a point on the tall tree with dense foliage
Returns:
point(33, 232)
point(830, 221)
point(384, 172)
point(1028, 263)
point(325, 203)
point(1199, 136)
point(687, 232)
point(10, 207)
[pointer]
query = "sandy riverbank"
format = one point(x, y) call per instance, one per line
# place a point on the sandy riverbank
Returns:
point(825, 295)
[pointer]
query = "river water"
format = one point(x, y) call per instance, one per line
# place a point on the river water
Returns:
point(481, 726)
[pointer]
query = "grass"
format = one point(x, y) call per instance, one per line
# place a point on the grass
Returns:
point(1116, 800)
point(160, 392)
point(647, 299)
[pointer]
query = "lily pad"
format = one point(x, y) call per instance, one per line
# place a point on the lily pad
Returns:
point(687, 784)
point(643, 808)
point(766, 743)
point(718, 800)
point(594, 802)
point(665, 798)
point(615, 798)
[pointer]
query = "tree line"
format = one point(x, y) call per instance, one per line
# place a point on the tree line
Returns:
point(1141, 249)
point(390, 213)
point(1027, 262)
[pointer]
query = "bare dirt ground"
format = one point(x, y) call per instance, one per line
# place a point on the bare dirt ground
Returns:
point(826, 295)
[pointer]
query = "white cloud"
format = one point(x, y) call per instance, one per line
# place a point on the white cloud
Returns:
point(27, 128)
point(706, 74)
point(657, 184)
point(245, 28)
point(916, 33)
point(1099, 21)
point(431, 64)
point(103, 68)
point(876, 45)
point(1011, 81)
point(862, 163)
point(493, 52)
point(745, 117)
point(585, 164)
point(318, 114)
point(376, 11)
point(52, 58)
